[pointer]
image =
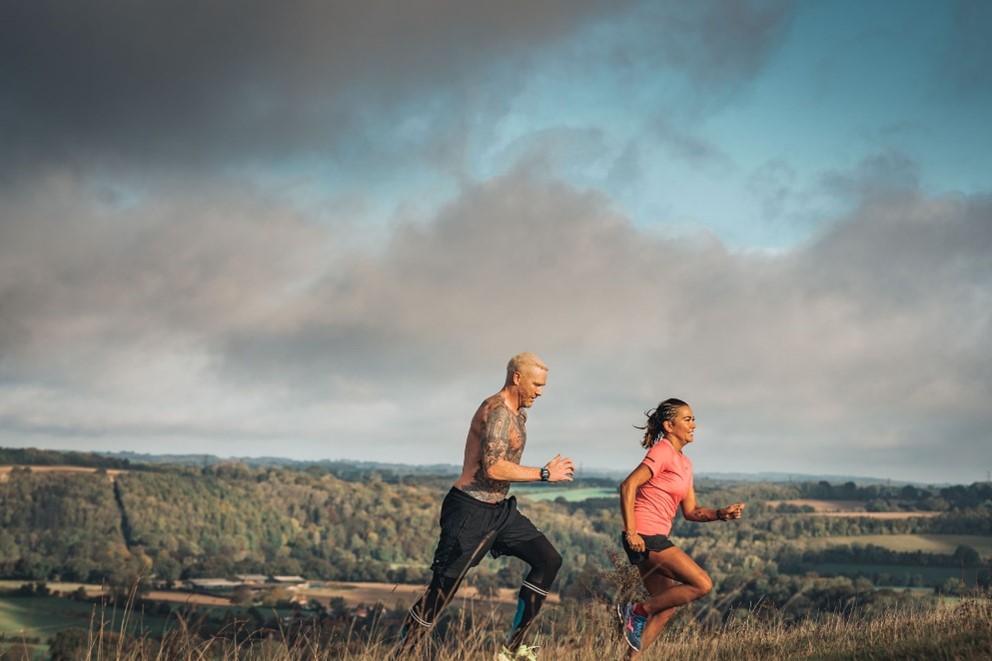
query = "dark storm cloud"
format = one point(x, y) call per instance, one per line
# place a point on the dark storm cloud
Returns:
point(198, 82)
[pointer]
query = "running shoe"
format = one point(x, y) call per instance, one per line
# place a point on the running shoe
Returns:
point(632, 625)
point(523, 653)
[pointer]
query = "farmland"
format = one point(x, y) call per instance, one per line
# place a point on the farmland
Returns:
point(363, 542)
point(943, 544)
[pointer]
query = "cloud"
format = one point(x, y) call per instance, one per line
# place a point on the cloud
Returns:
point(223, 312)
point(81, 272)
point(189, 86)
point(717, 46)
point(198, 84)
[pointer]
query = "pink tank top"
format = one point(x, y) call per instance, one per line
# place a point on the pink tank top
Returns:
point(658, 499)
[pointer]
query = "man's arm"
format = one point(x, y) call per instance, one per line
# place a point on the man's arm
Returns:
point(497, 440)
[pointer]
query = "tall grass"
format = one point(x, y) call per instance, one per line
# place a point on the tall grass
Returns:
point(588, 631)
point(576, 629)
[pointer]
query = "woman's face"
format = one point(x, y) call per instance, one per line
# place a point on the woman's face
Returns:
point(682, 427)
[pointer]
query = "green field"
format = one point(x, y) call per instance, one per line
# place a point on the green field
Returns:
point(945, 544)
point(38, 618)
point(576, 495)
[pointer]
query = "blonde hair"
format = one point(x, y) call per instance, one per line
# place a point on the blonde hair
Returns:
point(523, 360)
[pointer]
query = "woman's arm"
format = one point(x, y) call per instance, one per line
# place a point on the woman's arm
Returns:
point(692, 512)
point(628, 492)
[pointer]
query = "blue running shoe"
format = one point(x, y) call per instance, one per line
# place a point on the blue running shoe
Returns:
point(632, 624)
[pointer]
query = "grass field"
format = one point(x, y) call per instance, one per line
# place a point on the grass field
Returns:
point(571, 495)
point(42, 616)
point(27, 622)
point(907, 543)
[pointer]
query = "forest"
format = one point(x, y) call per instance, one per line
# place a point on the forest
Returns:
point(124, 522)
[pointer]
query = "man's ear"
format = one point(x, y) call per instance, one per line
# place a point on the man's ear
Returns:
point(516, 378)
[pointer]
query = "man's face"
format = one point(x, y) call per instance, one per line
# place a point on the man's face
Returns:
point(532, 380)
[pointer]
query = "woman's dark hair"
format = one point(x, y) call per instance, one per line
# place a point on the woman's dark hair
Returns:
point(656, 417)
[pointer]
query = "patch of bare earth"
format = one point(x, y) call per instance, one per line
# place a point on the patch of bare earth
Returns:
point(186, 598)
point(846, 508)
point(112, 473)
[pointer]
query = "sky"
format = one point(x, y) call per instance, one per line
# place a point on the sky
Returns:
point(319, 230)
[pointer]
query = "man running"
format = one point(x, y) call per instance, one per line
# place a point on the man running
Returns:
point(477, 517)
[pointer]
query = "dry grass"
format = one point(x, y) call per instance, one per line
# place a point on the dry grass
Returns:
point(588, 632)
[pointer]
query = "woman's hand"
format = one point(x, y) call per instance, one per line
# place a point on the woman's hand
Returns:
point(730, 512)
point(635, 541)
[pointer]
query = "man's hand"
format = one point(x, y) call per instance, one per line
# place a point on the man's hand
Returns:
point(561, 469)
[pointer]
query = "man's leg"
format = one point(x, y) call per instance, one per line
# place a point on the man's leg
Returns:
point(544, 563)
point(421, 617)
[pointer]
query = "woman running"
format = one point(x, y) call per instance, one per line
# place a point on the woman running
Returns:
point(649, 498)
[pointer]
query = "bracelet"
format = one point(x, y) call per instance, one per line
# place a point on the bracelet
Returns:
point(720, 515)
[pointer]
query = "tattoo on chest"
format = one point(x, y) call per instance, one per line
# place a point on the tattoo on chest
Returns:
point(503, 438)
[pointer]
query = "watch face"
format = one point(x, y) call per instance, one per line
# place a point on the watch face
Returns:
point(545, 474)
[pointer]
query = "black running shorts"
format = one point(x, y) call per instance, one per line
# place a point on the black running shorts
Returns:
point(651, 543)
point(470, 528)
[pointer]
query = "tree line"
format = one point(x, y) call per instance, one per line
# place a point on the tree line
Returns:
point(179, 522)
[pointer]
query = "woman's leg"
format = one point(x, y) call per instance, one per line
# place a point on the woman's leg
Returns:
point(693, 582)
point(656, 583)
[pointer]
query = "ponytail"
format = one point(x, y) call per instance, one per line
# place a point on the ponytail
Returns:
point(655, 427)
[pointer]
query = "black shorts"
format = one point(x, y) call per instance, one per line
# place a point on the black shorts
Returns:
point(651, 543)
point(470, 528)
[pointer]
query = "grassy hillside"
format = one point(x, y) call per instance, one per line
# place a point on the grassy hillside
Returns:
point(580, 632)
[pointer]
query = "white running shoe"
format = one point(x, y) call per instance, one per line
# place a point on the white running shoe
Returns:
point(523, 653)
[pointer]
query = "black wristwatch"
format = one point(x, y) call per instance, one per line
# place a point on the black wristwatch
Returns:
point(545, 474)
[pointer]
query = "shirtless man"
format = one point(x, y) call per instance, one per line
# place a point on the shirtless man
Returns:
point(477, 517)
